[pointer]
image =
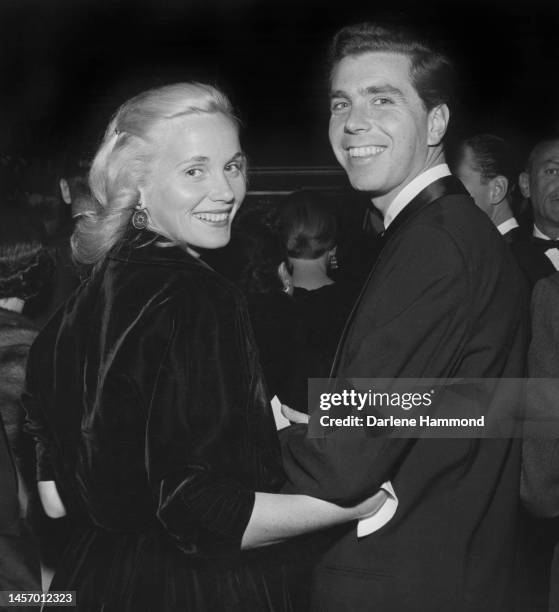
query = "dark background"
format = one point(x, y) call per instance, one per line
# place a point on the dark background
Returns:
point(65, 66)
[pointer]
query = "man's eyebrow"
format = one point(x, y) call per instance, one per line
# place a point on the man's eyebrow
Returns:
point(370, 90)
point(382, 89)
point(201, 159)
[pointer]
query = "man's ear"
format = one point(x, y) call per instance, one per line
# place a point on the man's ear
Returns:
point(499, 189)
point(438, 122)
point(524, 184)
point(65, 190)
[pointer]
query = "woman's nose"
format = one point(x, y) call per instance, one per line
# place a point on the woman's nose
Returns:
point(221, 190)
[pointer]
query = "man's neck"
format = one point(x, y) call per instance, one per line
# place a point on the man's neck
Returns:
point(548, 229)
point(435, 157)
point(501, 212)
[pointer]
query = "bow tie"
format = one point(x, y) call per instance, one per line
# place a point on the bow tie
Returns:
point(543, 244)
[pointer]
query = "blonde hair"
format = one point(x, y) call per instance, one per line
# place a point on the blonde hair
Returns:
point(122, 162)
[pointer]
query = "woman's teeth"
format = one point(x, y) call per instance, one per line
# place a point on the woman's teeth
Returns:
point(212, 217)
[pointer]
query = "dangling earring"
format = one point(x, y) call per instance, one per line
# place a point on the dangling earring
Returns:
point(287, 287)
point(140, 216)
point(333, 261)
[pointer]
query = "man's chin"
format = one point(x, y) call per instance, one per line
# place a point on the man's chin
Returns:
point(363, 182)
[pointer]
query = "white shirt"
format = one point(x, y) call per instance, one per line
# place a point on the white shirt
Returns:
point(507, 226)
point(409, 192)
point(553, 253)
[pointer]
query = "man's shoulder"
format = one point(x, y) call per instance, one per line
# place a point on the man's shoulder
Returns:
point(547, 288)
point(454, 218)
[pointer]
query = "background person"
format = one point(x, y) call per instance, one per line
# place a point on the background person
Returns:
point(538, 254)
point(25, 267)
point(309, 231)
point(485, 165)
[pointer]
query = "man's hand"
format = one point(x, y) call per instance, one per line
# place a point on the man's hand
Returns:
point(294, 415)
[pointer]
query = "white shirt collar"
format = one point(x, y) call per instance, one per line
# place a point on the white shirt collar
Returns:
point(507, 226)
point(539, 234)
point(409, 192)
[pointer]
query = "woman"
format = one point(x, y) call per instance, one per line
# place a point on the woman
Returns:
point(309, 230)
point(273, 314)
point(145, 393)
point(25, 268)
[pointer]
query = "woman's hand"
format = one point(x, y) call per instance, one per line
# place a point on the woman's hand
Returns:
point(371, 505)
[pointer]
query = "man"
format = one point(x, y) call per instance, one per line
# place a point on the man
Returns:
point(538, 255)
point(540, 457)
point(486, 168)
point(444, 300)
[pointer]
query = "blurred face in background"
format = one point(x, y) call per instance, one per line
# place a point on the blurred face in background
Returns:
point(541, 185)
point(480, 188)
point(197, 181)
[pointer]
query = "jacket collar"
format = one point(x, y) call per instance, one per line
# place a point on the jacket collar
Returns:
point(147, 247)
point(445, 186)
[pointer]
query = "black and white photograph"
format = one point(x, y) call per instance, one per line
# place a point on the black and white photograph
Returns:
point(279, 305)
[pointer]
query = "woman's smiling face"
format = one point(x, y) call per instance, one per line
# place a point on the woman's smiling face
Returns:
point(197, 180)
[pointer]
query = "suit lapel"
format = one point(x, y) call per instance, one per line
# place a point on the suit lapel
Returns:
point(445, 186)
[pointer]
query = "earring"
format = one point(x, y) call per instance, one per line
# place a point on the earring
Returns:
point(140, 217)
point(333, 261)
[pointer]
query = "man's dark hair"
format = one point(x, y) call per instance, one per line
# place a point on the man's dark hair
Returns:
point(431, 72)
point(492, 156)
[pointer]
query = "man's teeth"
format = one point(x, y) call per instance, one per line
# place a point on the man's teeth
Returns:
point(213, 217)
point(365, 151)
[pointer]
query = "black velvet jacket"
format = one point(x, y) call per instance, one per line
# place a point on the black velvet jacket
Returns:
point(146, 397)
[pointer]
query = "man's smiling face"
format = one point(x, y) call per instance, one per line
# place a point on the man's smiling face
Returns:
point(379, 127)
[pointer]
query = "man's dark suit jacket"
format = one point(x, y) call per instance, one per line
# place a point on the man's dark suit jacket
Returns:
point(445, 299)
point(513, 235)
point(532, 260)
point(540, 461)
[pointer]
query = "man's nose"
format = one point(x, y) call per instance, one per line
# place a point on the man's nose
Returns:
point(358, 120)
point(221, 190)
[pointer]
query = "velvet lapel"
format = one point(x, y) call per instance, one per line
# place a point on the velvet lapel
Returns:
point(445, 186)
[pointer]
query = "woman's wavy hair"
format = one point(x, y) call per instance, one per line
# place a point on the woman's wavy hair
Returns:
point(123, 161)
point(26, 264)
